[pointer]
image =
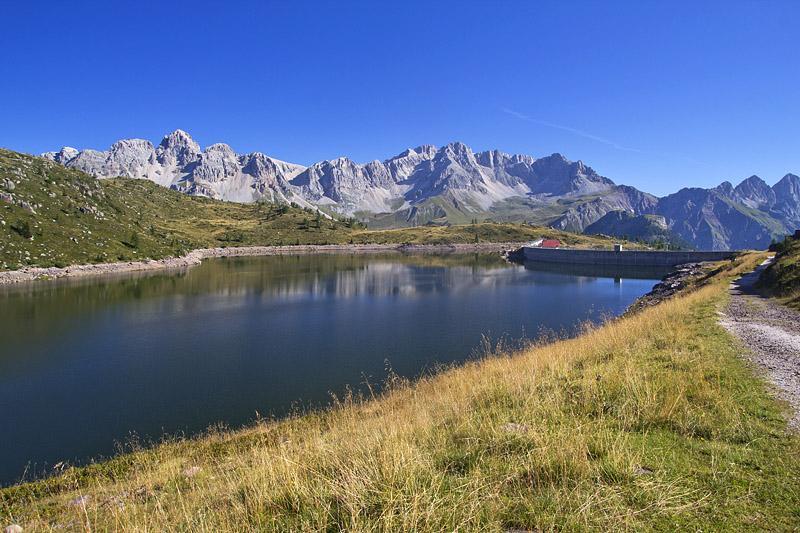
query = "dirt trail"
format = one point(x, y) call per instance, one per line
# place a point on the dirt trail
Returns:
point(771, 332)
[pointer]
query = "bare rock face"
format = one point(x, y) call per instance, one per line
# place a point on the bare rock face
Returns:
point(62, 156)
point(555, 175)
point(216, 164)
point(131, 158)
point(403, 165)
point(754, 192)
point(787, 200)
point(177, 149)
point(268, 171)
point(178, 162)
point(349, 186)
point(92, 162)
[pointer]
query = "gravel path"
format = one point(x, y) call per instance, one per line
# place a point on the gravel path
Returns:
point(771, 332)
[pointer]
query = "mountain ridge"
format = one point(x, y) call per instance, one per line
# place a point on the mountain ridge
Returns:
point(452, 183)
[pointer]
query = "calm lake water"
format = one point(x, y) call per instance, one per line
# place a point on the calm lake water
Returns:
point(86, 364)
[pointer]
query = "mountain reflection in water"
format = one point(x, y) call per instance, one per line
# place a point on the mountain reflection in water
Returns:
point(84, 363)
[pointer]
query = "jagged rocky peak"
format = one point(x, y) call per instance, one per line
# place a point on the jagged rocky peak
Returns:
point(216, 163)
point(375, 167)
point(179, 139)
point(425, 150)
point(458, 152)
point(787, 199)
point(268, 168)
point(754, 192)
point(494, 158)
point(258, 164)
point(403, 165)
point(556, 175)
point(753, 182)
point(178, 149)
point(638, 201)
point(138, 145)
point(130, 154)
point(220, 148)
point(63, 156)
point(342, 162)
point(725, 188)
point(789, 185)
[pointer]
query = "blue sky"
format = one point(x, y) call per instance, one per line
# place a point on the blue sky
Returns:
point(658, 95)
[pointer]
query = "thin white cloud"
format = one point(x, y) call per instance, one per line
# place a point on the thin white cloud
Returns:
point(598, 138)
point(574, 131)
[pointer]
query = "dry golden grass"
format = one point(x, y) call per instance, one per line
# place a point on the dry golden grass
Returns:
point(648, 422)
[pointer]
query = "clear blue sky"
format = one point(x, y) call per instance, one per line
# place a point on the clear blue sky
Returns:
point(658, 95)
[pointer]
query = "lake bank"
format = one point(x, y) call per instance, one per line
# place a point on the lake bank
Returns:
point(195, 257)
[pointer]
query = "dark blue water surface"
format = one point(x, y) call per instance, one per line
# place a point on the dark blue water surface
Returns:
point(85, 364)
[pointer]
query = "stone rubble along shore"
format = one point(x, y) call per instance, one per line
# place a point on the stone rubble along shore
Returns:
point(674, 282)
point(195, 257)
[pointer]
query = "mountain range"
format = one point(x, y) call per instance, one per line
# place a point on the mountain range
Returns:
point(453, 184)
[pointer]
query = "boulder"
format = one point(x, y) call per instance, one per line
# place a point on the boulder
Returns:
point(513, 427)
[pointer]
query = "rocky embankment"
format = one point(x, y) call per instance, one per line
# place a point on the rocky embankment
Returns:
point(682, 277)
point(195, 257)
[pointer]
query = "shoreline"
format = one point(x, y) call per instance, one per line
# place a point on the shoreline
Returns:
point(678, 279)
point(195, 257)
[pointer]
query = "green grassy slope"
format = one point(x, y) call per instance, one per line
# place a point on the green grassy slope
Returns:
point(645, 228)
point(54, 216)
point(782, 278)
point(633, 425)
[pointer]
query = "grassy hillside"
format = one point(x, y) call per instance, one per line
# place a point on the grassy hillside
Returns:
point(53, 216)
point(646, 228)
point(446, 209)
point(782, 278)
point(631, 425)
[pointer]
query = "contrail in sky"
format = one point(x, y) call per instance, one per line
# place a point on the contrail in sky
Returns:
point(597, 138)
point(574, 131)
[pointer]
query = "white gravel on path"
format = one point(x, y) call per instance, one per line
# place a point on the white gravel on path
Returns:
point(771, 333)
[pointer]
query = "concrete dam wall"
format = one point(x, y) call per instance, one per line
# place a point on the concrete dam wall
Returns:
point(622, 258)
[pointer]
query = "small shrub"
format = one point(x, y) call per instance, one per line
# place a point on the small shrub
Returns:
point(132, 241)
point(231, 236)
point(22, 228)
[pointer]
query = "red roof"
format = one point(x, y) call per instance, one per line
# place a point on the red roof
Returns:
point(551, 243)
